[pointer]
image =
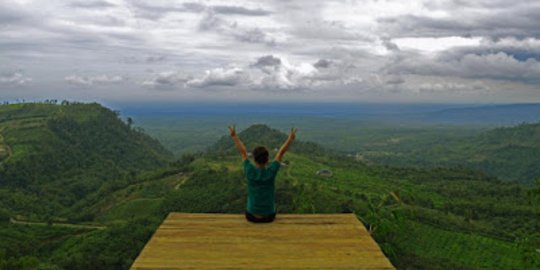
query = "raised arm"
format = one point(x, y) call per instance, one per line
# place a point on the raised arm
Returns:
point(285, 145)
point(239, 145)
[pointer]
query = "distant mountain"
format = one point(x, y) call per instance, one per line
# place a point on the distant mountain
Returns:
point(475, 114)
point(62, 153)
point(486, 115)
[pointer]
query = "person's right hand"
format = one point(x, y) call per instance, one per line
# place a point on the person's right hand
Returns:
point(232, 130)
point(292, 134)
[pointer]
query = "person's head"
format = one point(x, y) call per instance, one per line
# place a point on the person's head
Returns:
point(260, 155)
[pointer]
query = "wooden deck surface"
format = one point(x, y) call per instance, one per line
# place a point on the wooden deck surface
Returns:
point(217, 241)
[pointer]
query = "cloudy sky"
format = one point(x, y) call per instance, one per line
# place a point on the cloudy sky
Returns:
point(370, 50)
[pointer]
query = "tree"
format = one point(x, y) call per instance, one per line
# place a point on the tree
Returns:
point(129, 122)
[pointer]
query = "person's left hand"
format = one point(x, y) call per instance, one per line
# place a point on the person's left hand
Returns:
point(232, 130)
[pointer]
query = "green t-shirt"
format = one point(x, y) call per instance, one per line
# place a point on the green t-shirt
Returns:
point(261, 187)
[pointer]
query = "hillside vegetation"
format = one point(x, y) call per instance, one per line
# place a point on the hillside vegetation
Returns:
point(422, 218)
point(57, 155)
point(400, 142)
point(508, 153)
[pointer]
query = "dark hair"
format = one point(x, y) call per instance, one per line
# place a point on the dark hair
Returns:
point(260, 154)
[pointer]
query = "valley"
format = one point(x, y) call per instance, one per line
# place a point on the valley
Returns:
point(82, 218)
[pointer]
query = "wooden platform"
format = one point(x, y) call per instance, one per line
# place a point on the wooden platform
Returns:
point(210, 241)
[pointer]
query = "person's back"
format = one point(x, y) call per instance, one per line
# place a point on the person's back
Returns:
point(261, 179)
point(261, 187)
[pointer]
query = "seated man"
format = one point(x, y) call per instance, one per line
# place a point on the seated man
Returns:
point(261, 178)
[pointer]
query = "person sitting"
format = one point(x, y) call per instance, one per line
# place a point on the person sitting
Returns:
point(261, 177)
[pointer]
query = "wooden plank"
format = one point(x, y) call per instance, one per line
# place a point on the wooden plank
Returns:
point(228, 241)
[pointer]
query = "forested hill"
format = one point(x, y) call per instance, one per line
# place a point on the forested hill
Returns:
point(508, 153)
point(65, 152)
point(260, 134)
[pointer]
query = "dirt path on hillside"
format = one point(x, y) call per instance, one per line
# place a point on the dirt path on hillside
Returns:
point(183, 179)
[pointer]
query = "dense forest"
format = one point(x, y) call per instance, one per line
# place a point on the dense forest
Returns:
point(81, 188)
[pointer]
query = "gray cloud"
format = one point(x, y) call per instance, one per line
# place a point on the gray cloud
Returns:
point(322, 63)
point(142, 9)
point(395, 80)
point(91, 80)
point(156, 11)
point(225, 9)
point(155, 58)
point(496, 66)
point(240, 10)
point(167, 80)
point(267, 61)
point(521, 50)
point(11, 15)
point(14, 78)
point(343, 49)
point(212, 22)
point(445, 87)
point(219, 77)
point(92, 4)
point(497, 19)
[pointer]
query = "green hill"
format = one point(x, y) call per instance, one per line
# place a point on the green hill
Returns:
point(260, 134)
point(508, 153)
point(57, 155)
